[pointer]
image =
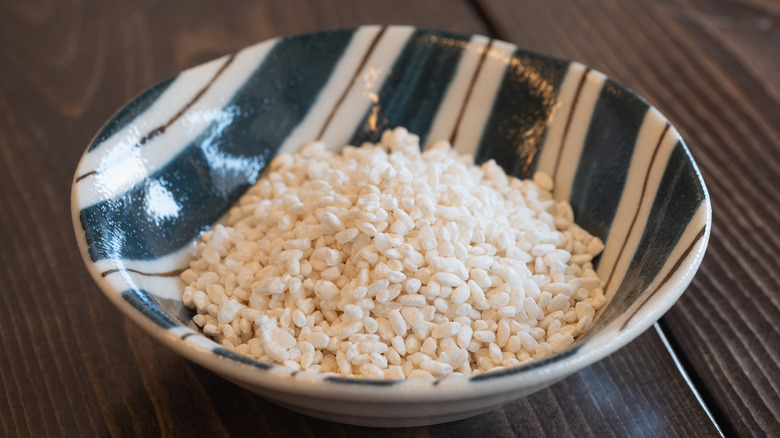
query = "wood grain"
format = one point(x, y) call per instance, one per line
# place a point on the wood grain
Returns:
point(632, 393)
point(71, 365)
point(711, 68)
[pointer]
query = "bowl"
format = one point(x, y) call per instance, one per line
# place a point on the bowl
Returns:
point(173, 160)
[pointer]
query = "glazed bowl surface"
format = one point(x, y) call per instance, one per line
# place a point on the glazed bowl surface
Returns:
point(172, 161)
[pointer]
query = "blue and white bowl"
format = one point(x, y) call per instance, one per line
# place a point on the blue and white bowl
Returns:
point(173, 160)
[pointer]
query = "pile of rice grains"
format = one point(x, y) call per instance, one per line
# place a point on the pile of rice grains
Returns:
point(385, 262)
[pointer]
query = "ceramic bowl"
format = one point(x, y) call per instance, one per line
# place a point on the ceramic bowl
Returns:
point(174, 159)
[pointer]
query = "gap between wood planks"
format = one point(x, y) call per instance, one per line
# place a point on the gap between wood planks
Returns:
point(704, 398)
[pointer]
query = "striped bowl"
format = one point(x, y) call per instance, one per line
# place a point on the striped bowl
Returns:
point(174, 159)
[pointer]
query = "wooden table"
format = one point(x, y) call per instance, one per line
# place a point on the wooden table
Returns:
point(71, 364)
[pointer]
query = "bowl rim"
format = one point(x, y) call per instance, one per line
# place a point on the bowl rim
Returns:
point(245, 370)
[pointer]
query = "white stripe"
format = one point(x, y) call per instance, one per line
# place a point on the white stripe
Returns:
point(169, 288)
point(664, 298)
point(163, 109)
point(657, 169)
point(139, 163)
point(202, 341)
point(482, 97)
point(647, 139)
point(339, 80)
point(179, 331)
point(447, 115)
point(364, 93)
point(571, 151)
point(558, 118)
point(170, 262)
point(164, 287)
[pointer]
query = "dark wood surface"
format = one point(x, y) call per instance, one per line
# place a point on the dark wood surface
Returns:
point(70, 364)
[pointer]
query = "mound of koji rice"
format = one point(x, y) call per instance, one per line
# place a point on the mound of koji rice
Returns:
point(383, 262)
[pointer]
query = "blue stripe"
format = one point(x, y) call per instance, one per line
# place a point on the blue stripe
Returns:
point(130, 112)
point(679, 196)
point(606, 157)
point(366, 382)
point(416, 85)
point(197, 186)
point(161, 311)
point(517, 126)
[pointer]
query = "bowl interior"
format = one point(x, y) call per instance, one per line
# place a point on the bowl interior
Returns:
point(174, 159)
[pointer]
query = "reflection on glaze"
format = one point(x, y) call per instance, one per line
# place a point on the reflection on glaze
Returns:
point(113, 178)
point(226, 168)
point(160, 203)
point(130, 113)
point(135, 138)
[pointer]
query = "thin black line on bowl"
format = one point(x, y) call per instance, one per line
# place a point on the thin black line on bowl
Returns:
point(569, 118)
point(355, 77)
point(369, 382)
point(470, 89)
point(161, 129)
point(174, 273)
point(641, 198)
point(671, 272)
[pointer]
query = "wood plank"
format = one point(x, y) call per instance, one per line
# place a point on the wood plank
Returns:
point(70, 366)
point(711, 67)
point(635, 392)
